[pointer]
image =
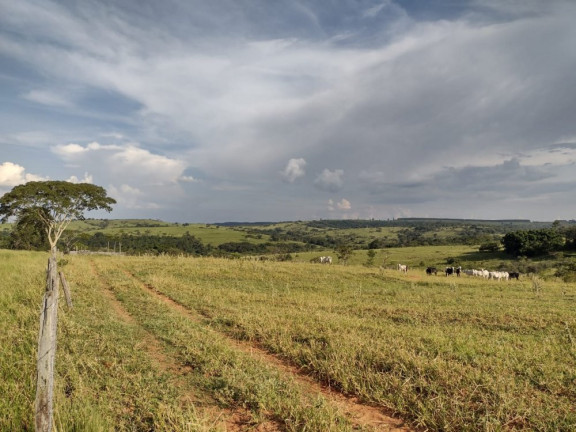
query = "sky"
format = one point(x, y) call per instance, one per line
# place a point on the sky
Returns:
point(284, 110)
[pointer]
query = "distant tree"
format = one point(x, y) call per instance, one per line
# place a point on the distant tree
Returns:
point(343, 252)
point(533, 242)
point(570, 235)
point(54, 203)
point(370, 255)
point(68, 240)
point(378, 243)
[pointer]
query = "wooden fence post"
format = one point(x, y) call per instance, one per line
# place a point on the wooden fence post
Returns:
point(66, 289)
point(47, 350)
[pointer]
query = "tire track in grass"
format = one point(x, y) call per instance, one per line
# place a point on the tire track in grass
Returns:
point(230, 420)
point(360, 415)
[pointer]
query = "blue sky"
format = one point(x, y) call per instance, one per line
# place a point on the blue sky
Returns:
point(258, 110)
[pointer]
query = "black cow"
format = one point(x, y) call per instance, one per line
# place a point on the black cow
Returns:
point(431, 270)
point(453, 270)
point(514, 275)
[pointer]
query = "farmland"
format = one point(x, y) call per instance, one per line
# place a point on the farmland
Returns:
point(198, 344)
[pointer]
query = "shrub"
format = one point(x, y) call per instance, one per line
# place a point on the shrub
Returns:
point(489, 247)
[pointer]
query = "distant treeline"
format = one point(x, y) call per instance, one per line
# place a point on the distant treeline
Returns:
point(175, 245)
point(428, 222)
point(331, 233)
point(517, 237)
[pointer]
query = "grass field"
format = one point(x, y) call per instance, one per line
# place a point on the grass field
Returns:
point(209, 234)
point(420, 257)
point(212, 344)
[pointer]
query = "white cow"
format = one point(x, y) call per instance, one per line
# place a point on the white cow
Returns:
point(326, 260)
point(403, 268)
point(499, 275)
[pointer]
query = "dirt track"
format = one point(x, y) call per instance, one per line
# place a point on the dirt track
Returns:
point(360, 415)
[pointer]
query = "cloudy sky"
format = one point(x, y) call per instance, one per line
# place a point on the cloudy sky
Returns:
point(271, 110)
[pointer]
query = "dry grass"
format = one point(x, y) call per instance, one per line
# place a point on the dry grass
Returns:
point(445, 353)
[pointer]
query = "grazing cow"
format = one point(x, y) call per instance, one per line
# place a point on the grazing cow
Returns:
point(449, 271)
point(514, 275)
point(403, 268)
point(326, 260)
point(498, 275)
point(484, 273)
point(431, 270)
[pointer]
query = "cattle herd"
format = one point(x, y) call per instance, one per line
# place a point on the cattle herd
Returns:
point(448, 271)
point(486, 274)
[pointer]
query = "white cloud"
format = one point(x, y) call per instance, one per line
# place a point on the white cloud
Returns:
point(12, 174)
point(66, 150)
point(188, 179)
point(123, 163)
point(47, 97)
point(131, 197)
point(375, 10)
point(294, 170)
point(344, 204)
point(87, 179)
point(330, 180)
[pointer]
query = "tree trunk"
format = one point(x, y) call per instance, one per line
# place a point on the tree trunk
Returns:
point(47, 349)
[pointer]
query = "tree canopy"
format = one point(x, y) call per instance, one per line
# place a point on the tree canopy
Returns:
point(54, 203)
point(532, 242)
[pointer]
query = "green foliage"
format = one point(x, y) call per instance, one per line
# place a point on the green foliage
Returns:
point(343, 252)
point(567, 272)
point(55, 203)
point(489, 247)
point(59, 198)
point(29, 231)
point(570, 235)
point(533, 242)
point(370, 256)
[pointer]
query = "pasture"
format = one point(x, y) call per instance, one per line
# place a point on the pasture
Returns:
point(209, 234)
point(174, 343)
point(419, 257)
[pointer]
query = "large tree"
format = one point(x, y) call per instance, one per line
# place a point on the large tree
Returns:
point(54, 203)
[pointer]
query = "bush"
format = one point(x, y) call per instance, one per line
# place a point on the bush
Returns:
point(489, 247)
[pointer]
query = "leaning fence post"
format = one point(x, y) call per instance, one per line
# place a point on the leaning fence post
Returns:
point(66, 289)
point(47, 350)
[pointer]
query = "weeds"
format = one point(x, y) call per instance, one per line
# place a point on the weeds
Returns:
point(536, 284)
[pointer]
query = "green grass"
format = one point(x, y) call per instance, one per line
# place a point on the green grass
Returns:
point(448, 354)
point(419, 257)
point(209, 234)
point(104, 382)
